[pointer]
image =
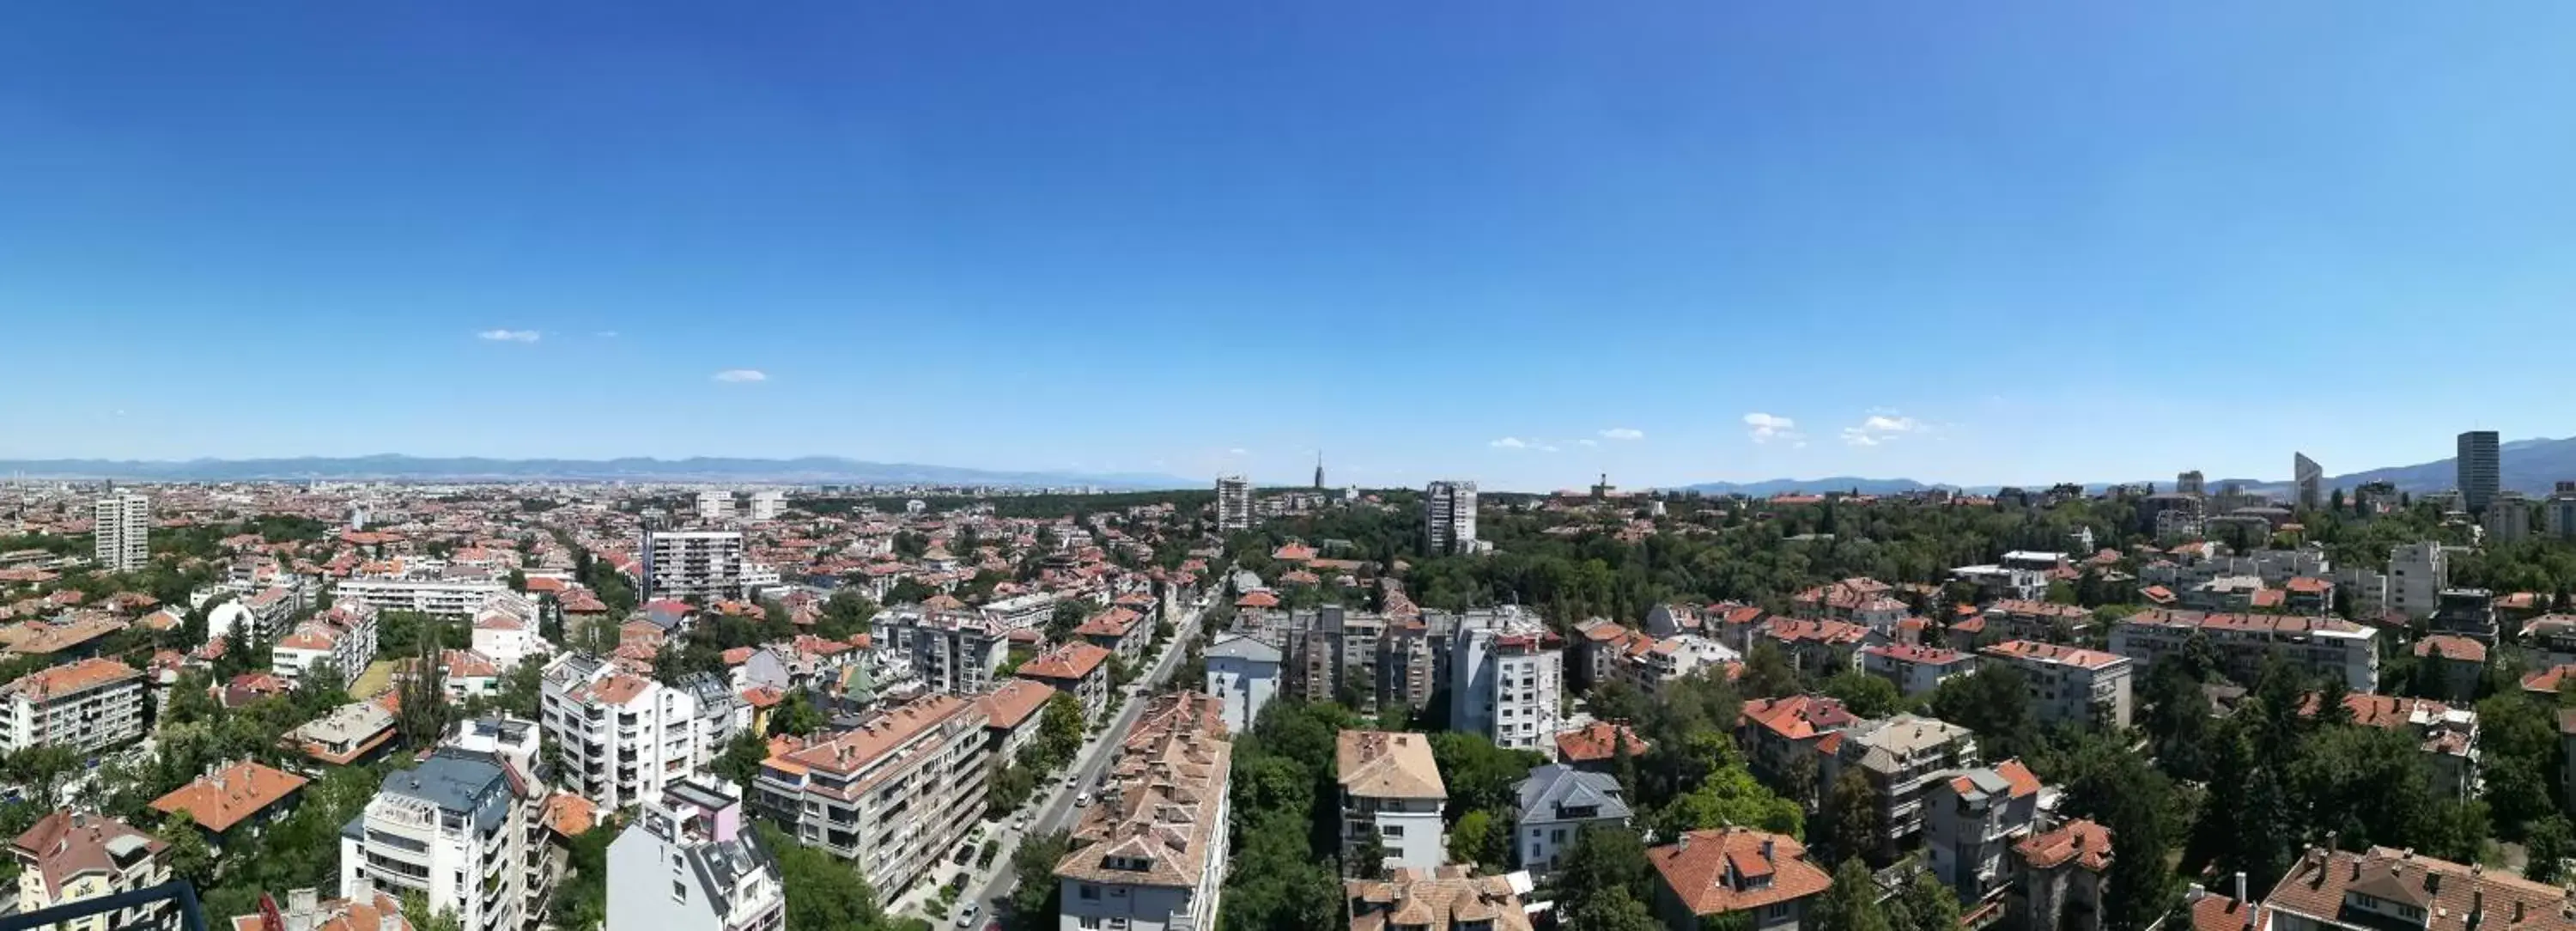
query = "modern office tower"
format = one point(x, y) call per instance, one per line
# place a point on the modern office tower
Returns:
point(122, 524)
point(705, 563)
point(2310, 478)
point(2481, 470)
point(1233, 503)
point(715, 505)
point(1448, 517)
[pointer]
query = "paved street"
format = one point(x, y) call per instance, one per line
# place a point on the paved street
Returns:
point(1055, 806)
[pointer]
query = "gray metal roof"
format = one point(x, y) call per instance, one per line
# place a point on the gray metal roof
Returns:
point(1238, 646)
point(1556, 786)
point(455, 783)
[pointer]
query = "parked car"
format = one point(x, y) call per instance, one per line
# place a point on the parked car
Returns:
point(966, 916)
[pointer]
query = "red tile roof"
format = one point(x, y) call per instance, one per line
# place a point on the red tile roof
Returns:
point(1593, 743)
point(223, 798)
point(1711, 871)
point(2085, 843)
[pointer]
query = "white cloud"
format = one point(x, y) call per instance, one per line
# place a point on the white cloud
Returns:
point(1881, 426)
point(508, 336)
point(1509, 442)
point(1589, 442)
point(607, 334)
point(1545, 448)
point(1763, 428)
point(1238, 451)
point(1623, 433)
point(742, 375)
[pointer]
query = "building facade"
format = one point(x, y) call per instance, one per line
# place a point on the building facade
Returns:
point(1233, 503)
point(1507, 679)
point(707, 564)
point(2069, 685)
point(69, 857)
point(1391, 789)
point(691, 863)
point(2313, 645)
point(892, 795)
point(1556, 803)
point(622, 738)
point(1971, 822)
point(1449, 517)
point(1243, 672)
point(1152, 854)
point(2481, 469)
point(122, 526)
point(88, 705)
point(453, 830)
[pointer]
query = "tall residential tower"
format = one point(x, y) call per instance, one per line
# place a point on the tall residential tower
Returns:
point(2310, 478)
point(1233, 503)
point(1448, 517)
point(123, 526)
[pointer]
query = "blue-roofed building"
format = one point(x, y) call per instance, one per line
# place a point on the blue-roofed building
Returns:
point(1556, 803)
point(453, 829)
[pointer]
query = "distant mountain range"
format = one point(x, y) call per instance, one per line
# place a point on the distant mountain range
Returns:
point(2531, 466)
point(805, 471)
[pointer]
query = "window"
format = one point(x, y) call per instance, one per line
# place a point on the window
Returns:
point(1390, 830)
point(1089, 893)
point(1557, 836)
point(679, 891)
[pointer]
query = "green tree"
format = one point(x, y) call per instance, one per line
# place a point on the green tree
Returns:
point(1857, 828)
point(1993, 701)
point(1924, 905)
point(1865, 695)
point(1481, 838)
point(741, 761)
point(1768, 672)
point(1851, 904)
point(1614, 909)
point(795, 715)
point(2548, 845)
point(1033, 900)
point(823, 893)
point(1060, 730)
point(1602, 858)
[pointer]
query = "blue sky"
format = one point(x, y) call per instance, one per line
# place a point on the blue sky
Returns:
point(1524, 243)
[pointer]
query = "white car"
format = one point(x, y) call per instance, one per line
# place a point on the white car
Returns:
point(1083, 800)
point(966, 916)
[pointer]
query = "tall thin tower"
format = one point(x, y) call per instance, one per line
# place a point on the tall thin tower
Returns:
point(1319, 470)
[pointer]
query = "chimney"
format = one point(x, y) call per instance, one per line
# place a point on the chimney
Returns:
point(2240, 885)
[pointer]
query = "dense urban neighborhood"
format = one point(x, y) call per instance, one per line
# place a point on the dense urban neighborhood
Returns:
point(535, 705)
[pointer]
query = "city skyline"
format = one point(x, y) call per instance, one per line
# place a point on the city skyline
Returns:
point(1672, 243)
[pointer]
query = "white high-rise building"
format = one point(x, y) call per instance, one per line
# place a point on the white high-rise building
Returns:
point(122, 524)
point(767, 503)
point(453, 830)
point(1233, 503)
point(705, 563)
point(2508, 518)
point(1448, 517)
point(692, 863)
point(87, 705)
point(715, 504)
point(623, 738)
point(2481, 468)
point(2558, 514)
point(1506, 679)
point(2417, 574)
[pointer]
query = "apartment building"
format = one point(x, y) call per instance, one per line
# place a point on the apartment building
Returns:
point(1506, 679)
point(453, 830)
point(2468, 612)
point(73, 856)
point(2015, 619)
point(1778, 732)
point(1077, 669)
point(1386, 658)
point(1556, 803)
point(2313, 645)
point(1915, 670)
point(506, 629)
point(1449, 517)
point(767, 504)
point(952, 651)
point(2417, 575)
point(1233, 503)
point(623, 738)
point(352, 733)
point(892, 795)
point(1020, 612)
point(1449, 898)
point(691, 863)
point(2558, 512)
point(715, 505)
point(1152, 854)
point(87, 705)
point(2507, 518)
point(424, 593)
point(2341, 890)
point(1902, 758)
point(341, 641)
point(2069, 685)
point(235, 802)
point(2450, 667)
point(1119, 631)
point(708, 564)
point(1648, 664)
point(516, 744)
point(122, 527)
point(2447, 735)
point(1704, 876)
point(1391, 788)
point(1013, 713)
point(1244, 673)
point(1820, 647)
point(1971, 822)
